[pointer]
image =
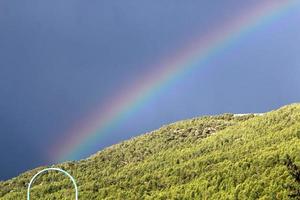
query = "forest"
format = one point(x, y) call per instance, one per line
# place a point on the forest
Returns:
point(212, 157)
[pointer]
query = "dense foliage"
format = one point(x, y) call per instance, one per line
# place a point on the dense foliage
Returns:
point(219, 157)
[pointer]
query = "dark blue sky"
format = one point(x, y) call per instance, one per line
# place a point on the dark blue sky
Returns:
point(60, 59)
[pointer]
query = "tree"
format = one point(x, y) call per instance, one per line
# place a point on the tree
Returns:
point(294, 171)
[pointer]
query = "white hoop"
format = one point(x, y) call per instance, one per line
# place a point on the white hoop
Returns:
point(52, 169)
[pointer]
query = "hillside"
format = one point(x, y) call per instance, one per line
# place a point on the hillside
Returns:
point(217, 157)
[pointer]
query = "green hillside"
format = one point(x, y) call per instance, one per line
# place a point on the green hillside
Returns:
point(218, 157)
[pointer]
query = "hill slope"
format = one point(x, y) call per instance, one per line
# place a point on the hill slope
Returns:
point(219, 157)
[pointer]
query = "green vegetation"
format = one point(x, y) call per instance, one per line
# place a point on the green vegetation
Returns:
point(295, 173)
point(219, 157)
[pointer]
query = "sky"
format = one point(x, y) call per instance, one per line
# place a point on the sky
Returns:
point(60, 60)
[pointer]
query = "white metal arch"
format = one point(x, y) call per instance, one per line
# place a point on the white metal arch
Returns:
point(52, 169)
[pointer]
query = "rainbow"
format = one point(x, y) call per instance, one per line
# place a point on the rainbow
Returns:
point(106, 117)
